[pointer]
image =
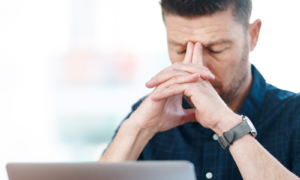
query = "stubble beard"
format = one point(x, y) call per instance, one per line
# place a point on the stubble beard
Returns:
point(239, 76)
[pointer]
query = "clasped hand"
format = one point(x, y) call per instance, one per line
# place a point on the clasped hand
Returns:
point(162, 109)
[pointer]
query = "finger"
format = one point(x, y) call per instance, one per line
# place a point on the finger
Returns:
point(171, 91)
point(180, 80)
point(174, 75)
point(165, 76)
point(156, 78)
point(197, 54)
point(189, 53)
point(202, 70)
point(178, 70)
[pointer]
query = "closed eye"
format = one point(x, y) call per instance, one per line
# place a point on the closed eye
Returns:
point(182, 52)
point(215, 52)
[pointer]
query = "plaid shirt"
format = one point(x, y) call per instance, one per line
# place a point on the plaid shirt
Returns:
point(274, 112)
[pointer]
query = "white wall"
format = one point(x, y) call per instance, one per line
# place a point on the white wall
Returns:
point(63, 89)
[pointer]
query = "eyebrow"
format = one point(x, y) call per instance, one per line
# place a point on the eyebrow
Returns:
point(175, 43)
point(223, 41)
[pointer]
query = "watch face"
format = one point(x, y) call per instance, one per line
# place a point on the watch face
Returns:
point(253, 130)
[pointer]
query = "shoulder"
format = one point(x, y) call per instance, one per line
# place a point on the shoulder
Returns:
point(278, 99)
point(281, 112)
point(284, 108)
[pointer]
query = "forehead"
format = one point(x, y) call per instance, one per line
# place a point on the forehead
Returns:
point(220, 26)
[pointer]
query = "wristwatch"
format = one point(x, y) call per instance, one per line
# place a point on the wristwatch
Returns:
point(236, 132)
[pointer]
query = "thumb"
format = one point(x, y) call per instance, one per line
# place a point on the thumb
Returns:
point(189, 115)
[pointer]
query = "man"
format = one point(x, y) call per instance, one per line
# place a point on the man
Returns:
point(194, 111)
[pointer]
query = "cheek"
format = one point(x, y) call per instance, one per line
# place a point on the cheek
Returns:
point(221, 64)
point(217, 65)
point(175, 57)
point(222, 67)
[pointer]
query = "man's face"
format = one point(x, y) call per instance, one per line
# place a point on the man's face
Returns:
point(225, 48)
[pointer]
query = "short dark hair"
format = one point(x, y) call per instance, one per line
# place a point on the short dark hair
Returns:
point(241, 9)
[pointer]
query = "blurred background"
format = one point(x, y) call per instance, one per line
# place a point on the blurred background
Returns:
point(71, 69)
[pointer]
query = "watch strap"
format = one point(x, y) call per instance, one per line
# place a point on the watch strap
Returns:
point(235, 133)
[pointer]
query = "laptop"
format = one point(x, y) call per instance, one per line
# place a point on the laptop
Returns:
point(141, 170)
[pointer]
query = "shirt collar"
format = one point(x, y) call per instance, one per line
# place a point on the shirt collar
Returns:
point(254, 99)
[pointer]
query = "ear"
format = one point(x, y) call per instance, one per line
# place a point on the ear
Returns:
point(253, 33)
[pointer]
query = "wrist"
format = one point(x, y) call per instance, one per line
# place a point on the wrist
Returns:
point(133, 129)
point(227, 123)
point(128, 143)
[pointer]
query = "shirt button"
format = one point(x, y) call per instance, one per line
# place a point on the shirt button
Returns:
point(215, 137)
point(209, 175)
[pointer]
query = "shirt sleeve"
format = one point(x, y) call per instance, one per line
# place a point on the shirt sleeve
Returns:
point(296, 161)
point(296, 166)
point(133, 108)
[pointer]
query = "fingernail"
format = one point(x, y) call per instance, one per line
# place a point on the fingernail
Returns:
point(205, 72)
point(199, 45)
point(188, 45)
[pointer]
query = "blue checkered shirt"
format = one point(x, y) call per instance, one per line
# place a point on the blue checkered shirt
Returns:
point(274, 112)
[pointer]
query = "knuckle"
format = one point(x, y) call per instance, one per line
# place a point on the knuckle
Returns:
point(177, 64)
point(188, 78)
point(174, 72)
point(204, 68)
point(153, 79)
point(176, 79)
point(172, 89)
point(193, 85)
point(191, 78)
